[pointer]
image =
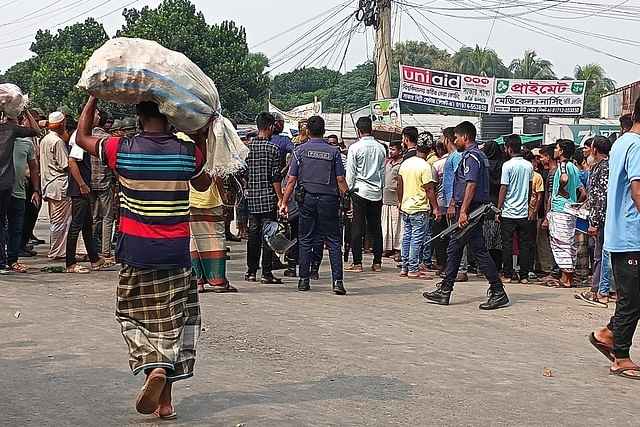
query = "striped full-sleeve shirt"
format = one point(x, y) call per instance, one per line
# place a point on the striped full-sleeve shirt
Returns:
point(153, 171)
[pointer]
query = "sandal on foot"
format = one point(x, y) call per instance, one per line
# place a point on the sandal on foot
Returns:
point(148, 398)
point(250, 277)
point(622, 372)
point(78, 269)
point(16, 267)
point(601, 347)
point(171, 416)
point(221, 289)
point(102, 264)
point(270, 280)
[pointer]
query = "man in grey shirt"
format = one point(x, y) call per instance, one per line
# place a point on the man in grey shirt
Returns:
point(365, 171)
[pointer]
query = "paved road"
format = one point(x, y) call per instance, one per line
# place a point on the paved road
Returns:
point(270, 356)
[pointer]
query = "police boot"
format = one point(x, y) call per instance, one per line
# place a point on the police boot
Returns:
point(338, 287)
point(497, 299)
point(441, 295)
point(303, 285)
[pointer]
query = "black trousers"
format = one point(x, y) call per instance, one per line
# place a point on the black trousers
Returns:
point(522, 228)
point(30, 216)
point(366, 214)
point(81, 221)
point(256, 244)
point(440, 245)
point(623, 324)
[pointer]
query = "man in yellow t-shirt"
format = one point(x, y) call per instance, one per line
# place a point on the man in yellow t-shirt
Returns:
point(417, 196)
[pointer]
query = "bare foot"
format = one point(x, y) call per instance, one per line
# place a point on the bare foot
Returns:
point(604, 335)
point(165, 409)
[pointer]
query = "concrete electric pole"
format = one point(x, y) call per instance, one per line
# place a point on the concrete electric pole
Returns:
point(383, 50)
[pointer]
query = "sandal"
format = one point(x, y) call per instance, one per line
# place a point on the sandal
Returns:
point(103, 263)
point(149, 396)
point(601, 347)
point(16, 267)
point(250, 277)
point(221, 289)
point(270, 280)
point(171, 416)
point(78, 269)
point(622, 372)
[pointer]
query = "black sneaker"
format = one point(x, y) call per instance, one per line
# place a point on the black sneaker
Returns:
point(440, 295)
point(497, 299)
point(338, 288)
point(303, 285)
point(290, 272)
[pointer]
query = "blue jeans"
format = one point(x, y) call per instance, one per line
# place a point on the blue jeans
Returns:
point(5, 202)
point(426, 257)
point(605, 273)
point(415, 226)
point(15, 220)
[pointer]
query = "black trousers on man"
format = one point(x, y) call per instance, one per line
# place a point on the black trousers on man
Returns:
point(256, 244)
point(30, 217)
point(522, 228)
point(367, 216)
point(623, 324)
point(475, 238)
point(81, 221)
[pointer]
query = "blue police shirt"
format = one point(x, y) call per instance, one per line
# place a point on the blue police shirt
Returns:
point(473, 167)
point(622, 225)
point(284, 144)
point(316, 164)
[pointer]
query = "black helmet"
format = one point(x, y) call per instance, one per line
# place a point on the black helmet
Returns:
point(275, 234)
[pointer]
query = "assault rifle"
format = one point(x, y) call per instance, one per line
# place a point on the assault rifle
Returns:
point(474, 218)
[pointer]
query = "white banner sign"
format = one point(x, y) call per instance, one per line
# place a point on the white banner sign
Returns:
point(445, 89)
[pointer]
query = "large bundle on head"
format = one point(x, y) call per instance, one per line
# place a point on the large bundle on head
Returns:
point(129, 71)
point(12, 100)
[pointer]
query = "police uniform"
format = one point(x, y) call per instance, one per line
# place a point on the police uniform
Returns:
point(316, 165)
point(473, 167)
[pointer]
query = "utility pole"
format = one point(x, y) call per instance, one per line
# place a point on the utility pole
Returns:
point(383, 50)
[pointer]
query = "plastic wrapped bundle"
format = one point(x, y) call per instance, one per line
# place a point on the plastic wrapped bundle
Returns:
point(12, 100)
point(129, 71)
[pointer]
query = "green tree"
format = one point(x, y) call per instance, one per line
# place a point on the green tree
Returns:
point(301, 86)
point(530, 66)
point(220, 50)
point(421, 54)
point(51, 75)
point(598, 84)
point(354, 89)
point(480, 62)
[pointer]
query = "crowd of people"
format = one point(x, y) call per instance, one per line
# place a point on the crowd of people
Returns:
point(554, 215)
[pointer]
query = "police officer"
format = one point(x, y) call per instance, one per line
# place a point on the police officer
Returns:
point(471, 190)
point(318, 170)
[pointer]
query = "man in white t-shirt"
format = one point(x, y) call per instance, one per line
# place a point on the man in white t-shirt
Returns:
point(513, 201)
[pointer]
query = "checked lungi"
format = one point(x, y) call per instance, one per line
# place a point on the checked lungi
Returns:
point(159, 316)
point(562, 237)
point(208, 248)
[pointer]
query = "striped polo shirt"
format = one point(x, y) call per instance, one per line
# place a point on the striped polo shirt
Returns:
point(153, 171)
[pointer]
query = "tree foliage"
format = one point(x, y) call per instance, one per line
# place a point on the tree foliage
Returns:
point(530, 66)
point(598, 84)
point(480, 62)
point(220, 50)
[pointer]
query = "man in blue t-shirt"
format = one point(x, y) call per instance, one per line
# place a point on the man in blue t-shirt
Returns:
point(622, 240)
point(470, 191)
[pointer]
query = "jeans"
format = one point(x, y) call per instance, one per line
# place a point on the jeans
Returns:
point(319, 222)
point(623, 324)
point(521, 226)
point(256, 244)
point(15, 221)
point(81, 221)
point(604, 287)
point(415, 226)
point(598, 252)
point(475, 238)
point(103, 219)
point(369, 213)
point(426, 257)
point(5, 201)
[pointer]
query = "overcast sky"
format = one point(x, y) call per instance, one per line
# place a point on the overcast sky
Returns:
point(264, 19)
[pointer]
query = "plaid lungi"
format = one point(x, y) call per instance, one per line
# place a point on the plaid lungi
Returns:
point(391, 228)
point(208, 249)
point(159, 315)
point(562, 237)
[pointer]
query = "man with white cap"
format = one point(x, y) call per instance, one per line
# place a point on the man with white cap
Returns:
point(9, 132)
point(54, 163)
